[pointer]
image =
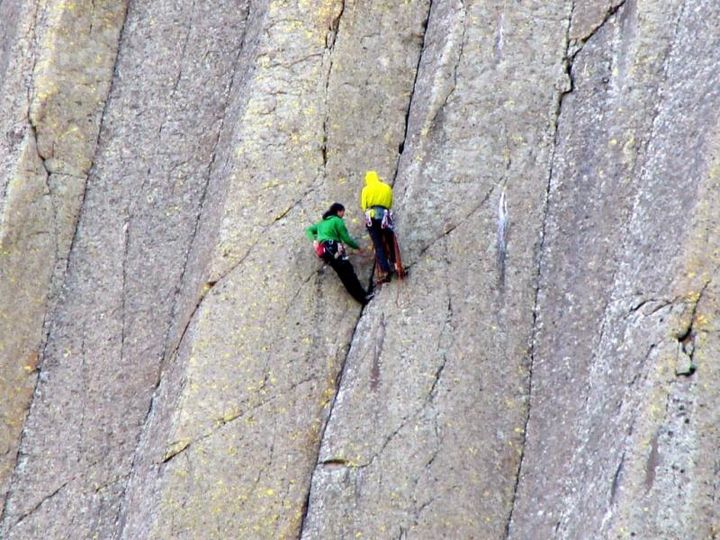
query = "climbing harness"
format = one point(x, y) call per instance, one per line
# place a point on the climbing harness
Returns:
point(330, 248)
point(381, 214)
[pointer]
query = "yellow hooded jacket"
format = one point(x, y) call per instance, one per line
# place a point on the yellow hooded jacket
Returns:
point(375, 193)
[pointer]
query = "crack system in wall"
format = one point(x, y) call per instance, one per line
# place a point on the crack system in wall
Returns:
point(210, 285)
point(131, 207)
point(568, 60)
point(321, 438)
point(91, 169)
point(181, 446)
point(401, 146)
point(12, 478)
point(335, 462)
point(612, 12)
point(579, 43)
point(58, 276)
point(685, 336)
point(168, 355)
point(330, 41)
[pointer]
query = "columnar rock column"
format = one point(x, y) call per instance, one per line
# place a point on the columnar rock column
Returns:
point(426, 432)
point(620, 418)
point(56, 66)
point(106, 338)
point(234, 434)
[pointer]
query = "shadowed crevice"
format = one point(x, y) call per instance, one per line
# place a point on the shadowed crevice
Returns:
point(687, 335)
point(442, 351)
point(612, 10)
point(330, 42)
point(401, 146)
point(617, 478)
point(321, 438)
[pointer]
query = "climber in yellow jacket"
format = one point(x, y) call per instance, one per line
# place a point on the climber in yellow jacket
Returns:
point(376, 202)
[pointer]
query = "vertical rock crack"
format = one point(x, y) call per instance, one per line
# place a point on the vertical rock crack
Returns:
point(401, 147)
point(56, 280)
point(198, 217)
point(330, 42)
point(568, 60)
point(321, 438)
point(463, 10)
point(338, 384)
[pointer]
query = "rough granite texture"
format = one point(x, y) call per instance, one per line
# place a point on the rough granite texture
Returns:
point(176, 363)
point(53, 54)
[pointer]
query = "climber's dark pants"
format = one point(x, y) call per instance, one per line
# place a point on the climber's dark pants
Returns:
point(346, 273)
point(384, 242)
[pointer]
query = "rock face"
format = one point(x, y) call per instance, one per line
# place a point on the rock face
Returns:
point(176, 363)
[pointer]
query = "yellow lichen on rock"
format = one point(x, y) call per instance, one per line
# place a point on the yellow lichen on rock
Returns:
point(26, 269)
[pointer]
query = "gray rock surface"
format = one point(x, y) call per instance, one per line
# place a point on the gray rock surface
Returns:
point(50, 55)
point(615, 434)
point(108, 335)
point(415, 439)
point(176, 363)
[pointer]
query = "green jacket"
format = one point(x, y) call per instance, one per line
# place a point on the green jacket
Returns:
point(332, 228)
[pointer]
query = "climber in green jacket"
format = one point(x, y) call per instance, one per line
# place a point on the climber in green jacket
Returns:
point(376, 201)
point(329, 236)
